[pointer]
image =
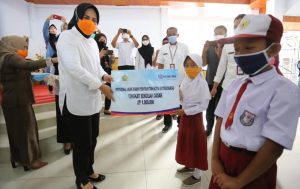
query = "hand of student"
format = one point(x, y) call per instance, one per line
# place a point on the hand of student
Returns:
point(180, 112)
point(227, 182)
point(213, 92)
point(107, 78)
point(106, 90)
point(129, 32)
point(216, 167)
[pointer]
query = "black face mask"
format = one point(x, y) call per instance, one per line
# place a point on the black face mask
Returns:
point(101, 45)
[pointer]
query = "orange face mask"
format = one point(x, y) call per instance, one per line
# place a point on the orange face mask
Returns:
point(23, 53)
point(192, 72)
point(87, 27)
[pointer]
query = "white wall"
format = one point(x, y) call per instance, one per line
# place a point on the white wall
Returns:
point(20, 18)
point(14, 18)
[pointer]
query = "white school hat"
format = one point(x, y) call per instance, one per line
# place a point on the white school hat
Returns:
point(252, 26)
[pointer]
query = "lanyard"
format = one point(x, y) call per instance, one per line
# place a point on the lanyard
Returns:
point(173, 55)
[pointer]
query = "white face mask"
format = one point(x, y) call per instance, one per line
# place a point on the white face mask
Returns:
point(146, 42)
point(217, 37)
point(125, 36)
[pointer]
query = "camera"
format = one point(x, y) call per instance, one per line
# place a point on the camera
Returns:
point(124, 30)
point(110, 52)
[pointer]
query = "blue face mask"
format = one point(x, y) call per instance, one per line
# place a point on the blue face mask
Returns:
point(172, 39)
point(253, 63)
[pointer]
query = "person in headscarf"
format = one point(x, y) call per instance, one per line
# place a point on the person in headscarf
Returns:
point(145, 55)
point(191, 149)
point(106, 62)
point(50, 38)
point(15, 76)
point(81, 85)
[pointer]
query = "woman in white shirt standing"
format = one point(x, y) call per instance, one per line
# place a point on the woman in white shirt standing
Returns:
point(81, 78)
point(145, 56)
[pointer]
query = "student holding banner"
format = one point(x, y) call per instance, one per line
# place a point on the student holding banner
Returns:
point(172, 56)
point(191, 150)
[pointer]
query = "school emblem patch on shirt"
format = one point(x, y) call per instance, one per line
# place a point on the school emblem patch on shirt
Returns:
point(247, 118)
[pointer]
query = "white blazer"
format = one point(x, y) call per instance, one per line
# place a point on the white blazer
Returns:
point(80, 73)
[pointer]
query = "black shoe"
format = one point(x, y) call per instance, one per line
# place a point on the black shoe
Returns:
point(79, 186)
point(100, 178)
point(166, 128)
point(158, 117)
point(13, 164)
point(67, 151)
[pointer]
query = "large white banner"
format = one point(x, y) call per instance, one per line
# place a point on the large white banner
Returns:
point(138, 92)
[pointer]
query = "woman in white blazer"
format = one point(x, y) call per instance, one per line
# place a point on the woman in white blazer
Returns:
point(81, 78)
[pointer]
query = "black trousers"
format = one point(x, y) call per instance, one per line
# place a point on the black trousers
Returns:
point(126, 67)
point(64, 134)
point(210, 111)
point(85, 130)
point(107, 101)
point(168, 121)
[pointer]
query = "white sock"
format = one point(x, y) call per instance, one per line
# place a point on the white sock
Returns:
point(197, 173)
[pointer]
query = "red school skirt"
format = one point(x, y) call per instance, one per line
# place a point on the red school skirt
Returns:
point(191, 149)
point(235, 161)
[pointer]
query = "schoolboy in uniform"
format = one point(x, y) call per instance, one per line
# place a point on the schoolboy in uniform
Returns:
point(258, 114)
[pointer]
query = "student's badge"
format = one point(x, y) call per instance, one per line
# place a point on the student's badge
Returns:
point(247, 118)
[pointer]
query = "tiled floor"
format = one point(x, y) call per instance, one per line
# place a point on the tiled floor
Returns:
point(134, 154)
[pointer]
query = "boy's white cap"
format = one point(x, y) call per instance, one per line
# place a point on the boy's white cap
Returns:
point(252, 26)
point(196, 58)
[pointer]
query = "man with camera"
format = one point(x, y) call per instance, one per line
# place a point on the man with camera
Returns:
point(126, 59)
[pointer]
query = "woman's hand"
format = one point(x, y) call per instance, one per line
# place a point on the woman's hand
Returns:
point(107, 78)
point(106, 90)
point(102, 53)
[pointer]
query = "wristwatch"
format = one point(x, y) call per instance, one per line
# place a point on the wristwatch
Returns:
point(131, 36)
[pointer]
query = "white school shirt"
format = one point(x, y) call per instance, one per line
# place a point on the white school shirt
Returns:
point(140, 62)
point(196, 95)
point(168, 51)
point(80, 73)
point(227, 67)
point(125, 54)
point(269, 108)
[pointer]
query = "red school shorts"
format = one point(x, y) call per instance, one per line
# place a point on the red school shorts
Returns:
point(235, 160)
